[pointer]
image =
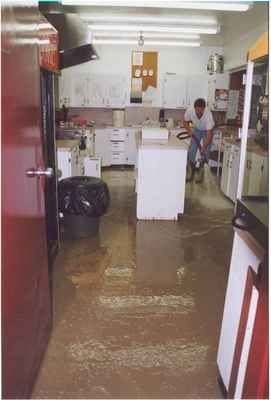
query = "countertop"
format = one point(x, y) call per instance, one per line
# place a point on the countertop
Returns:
point(251, 146)
point(254, 211)
point(172, 143)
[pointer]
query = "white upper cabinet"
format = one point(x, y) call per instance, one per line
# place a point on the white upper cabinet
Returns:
point(65, 90)
point(181, 91)
point(197, 87)
point(116, 91)
point(80, 84)
point(97, 92)
point(94, 90)
point(174, 91)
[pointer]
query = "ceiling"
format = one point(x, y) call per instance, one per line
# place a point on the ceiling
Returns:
point(230, 23)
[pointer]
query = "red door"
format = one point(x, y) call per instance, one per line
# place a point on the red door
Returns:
point(26, 315)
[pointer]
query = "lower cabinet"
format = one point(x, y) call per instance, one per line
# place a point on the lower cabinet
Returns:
point(130, 146)
point(256, 175)
point(116, 146)
point(69, 162)
point(243, 345)
point(230, 170)
point(103, 145)
point(92, 166)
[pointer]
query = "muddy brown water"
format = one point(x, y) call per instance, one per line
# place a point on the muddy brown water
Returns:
point(138, 308)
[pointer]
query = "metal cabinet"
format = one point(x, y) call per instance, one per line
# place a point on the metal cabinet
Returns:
point(103, 145)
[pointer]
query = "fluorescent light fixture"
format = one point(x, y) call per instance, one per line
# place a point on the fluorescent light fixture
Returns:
point(44, 25)
point(199, 5)
point(43, 41)
point(147, 35)
point(147, 42)
point(155, 28)
point(197, 20)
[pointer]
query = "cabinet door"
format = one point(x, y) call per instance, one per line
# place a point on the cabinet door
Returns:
point(74, 162)
point(234, 170)
point(174, 91)
point(242, 258)
point(130, 146)
point(103, 146)
point(97, 91)
point(79, 90)
point(255, 175)
point(264, 177)
point(64, 163)
point(247, 174)
point(92, 166)
point(116, 91)
point(225, 169)
point(197, 87)
point(65, 92)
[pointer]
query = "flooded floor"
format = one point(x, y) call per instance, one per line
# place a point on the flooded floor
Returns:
point(137, 310)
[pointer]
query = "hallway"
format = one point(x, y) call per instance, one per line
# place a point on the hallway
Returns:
point(137, 311)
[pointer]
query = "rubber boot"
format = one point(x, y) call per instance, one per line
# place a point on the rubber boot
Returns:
point(190, 170)
point(199, 173)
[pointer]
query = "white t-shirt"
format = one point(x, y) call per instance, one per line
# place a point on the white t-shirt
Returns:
point(205, 123)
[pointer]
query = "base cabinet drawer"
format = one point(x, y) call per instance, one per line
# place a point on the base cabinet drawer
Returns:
point(118, 158)
point(118, 146)
point(118, 134)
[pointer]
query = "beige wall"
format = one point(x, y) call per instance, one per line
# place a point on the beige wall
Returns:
point(240, 33)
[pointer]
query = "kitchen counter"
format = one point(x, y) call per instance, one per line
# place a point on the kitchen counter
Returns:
point(160, 180)
point(66, 144)
point(251, 146)
point(253, 211)
point(172, 143)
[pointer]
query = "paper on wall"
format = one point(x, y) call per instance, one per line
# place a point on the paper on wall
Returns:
point(136, 84)
point(149, 95)
point(137, 58)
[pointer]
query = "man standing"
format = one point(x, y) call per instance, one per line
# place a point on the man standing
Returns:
point(202, 131)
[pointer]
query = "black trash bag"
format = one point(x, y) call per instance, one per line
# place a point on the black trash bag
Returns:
point(83, 195)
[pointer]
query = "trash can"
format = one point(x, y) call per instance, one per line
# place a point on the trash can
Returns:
point(82, 200)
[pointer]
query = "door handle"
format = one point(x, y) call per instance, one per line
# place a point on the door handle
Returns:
point(32, 173)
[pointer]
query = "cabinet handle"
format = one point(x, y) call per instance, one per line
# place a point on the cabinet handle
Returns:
point(262, 168)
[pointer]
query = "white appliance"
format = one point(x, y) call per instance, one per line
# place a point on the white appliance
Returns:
point(92, 166)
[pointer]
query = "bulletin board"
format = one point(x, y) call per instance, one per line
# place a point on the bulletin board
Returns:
point(144, 73)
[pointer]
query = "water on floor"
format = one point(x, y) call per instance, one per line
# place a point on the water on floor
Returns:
point(137, 310)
